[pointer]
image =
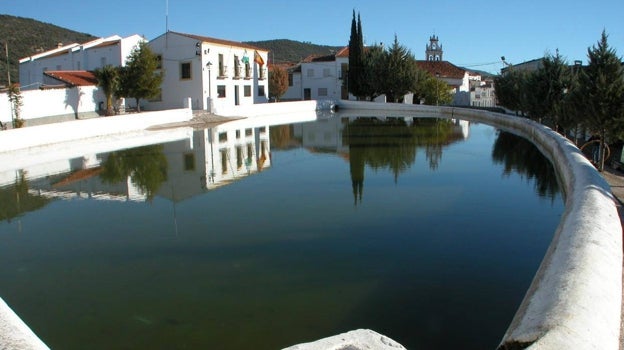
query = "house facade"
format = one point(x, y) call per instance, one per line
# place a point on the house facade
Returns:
point(216, 74)
point(113, 50)
point(319, 78)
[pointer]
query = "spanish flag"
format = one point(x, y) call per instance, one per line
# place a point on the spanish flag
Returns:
point(258, 59)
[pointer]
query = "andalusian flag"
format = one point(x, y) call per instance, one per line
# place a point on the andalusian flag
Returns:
point(258, 59)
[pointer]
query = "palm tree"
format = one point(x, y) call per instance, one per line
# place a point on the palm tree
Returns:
point(108, 80)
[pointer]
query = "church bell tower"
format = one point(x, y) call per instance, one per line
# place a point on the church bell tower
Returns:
point(433, 50)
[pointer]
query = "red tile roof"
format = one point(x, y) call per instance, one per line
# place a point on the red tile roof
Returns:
point(73, 77)
point(444, 68)
point(220, 41)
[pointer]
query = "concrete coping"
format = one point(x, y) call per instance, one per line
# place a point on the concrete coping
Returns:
point(575, 298)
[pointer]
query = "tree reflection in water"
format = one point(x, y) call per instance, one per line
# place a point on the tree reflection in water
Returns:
point(392, 144)
point(15, 200)
point(146, 166)
point(519, 155)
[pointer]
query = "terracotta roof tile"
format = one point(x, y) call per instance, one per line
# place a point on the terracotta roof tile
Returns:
point(444, 68)
point(73, 77)
point(220, 41)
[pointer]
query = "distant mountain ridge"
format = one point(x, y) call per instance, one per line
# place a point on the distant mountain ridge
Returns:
point(285, 50)
point(25, 37)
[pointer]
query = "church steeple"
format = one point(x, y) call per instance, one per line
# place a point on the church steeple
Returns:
point(433, 50)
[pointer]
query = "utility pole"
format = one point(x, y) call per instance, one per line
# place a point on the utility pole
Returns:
point(6, 50)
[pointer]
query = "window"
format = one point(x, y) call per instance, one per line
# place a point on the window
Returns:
point(236, 68)
point(261, 90)
point(189, 162)
point(262, 130)
point(247, 70)
point(158, 61)
point(77, 65)
point(185, 70)
point(247, 90)
point(310, 73)
point(248, 132)
point(238, 133)
point(221, 66)
point(290, 79)
point(222, 136)
point(102, 61)
point(221, 91)
point(326, 72)
point(322, 91)
point(224, 161)
point(239, 157)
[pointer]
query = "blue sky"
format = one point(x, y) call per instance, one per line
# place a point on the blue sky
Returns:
point(473, 33)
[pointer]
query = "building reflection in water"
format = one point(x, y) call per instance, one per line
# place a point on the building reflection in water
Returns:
point(193, 161)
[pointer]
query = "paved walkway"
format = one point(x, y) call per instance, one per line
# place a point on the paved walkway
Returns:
point(615, 178)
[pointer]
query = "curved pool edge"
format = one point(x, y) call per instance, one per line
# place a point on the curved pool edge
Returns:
point(15, 334)
point(575, 298)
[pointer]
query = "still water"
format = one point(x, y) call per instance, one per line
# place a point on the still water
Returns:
point(247, 236)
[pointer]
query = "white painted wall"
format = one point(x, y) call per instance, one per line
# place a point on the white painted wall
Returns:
point(53, 102)
point(203, 85)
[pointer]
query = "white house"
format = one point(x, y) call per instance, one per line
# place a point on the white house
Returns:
point(215, 73)
point(319, 78)
point(483, 94)
point(113, 50)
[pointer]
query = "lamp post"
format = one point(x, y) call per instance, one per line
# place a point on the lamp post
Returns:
point(209, 65)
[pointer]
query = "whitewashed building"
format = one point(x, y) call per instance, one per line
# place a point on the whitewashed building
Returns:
point(216, 74)
point(319, 78)
point(113, 50)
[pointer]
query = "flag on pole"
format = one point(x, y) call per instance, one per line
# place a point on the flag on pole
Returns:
point(258, 59)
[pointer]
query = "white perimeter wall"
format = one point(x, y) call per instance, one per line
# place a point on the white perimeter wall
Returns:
point(53, 102)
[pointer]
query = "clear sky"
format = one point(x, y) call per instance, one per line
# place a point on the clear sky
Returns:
point(473, 33)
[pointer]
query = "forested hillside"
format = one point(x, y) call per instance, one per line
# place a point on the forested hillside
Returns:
point(284, 50)
point(25, 36)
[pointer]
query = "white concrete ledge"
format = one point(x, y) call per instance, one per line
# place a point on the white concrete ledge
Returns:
point(360, 339)
point(574, 301)
point(15, 334)
point(21, 138)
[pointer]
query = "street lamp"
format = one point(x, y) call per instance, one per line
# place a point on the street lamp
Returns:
point(209, 65)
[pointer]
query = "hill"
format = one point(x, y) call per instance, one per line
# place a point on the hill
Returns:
point(25, 36)
point(284, 50)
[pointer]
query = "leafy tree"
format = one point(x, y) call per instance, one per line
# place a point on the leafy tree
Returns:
point(401, 72)
point(511, 90)
point(374, 72)
point(15, 99)
point(108, 80)
point(356, 51)
point(139, 79)
point(600, 94)
point(436, 91)
point(278, 82)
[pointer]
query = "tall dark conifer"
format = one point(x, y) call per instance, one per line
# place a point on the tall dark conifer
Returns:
point(356, 48)
point(600, 94)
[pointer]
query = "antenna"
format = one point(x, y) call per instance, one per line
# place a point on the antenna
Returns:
point(166, 16)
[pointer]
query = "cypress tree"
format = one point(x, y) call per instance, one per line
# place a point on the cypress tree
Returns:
point(356, 48)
